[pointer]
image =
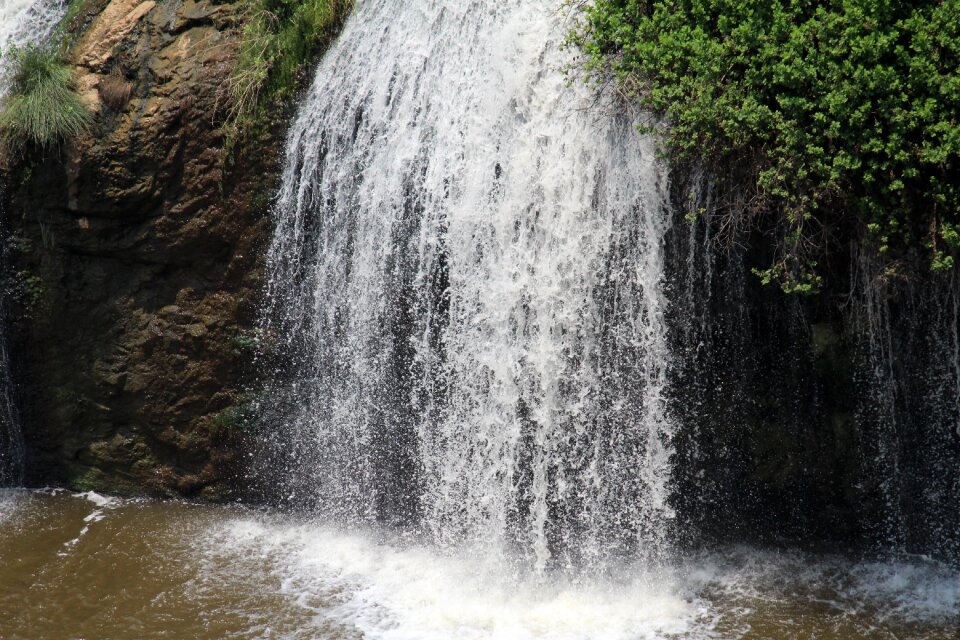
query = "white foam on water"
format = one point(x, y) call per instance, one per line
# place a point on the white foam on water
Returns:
point(360, 584)
point(908, 590)
point(103, 504)
point(392, 591)
point(98, 499)
point(917, 589)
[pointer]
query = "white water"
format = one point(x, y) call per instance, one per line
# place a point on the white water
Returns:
point(466, 273)
point(394, 592)
point(85, 566)
point(354, 584)
point(22, 22)
point(11, 438)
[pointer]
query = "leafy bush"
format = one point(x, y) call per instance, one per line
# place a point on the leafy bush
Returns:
point(280, 38)
point(41, 107)
point(836, 115)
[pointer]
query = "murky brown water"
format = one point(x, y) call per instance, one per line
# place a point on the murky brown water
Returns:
point(83, 566)
point(73, 569)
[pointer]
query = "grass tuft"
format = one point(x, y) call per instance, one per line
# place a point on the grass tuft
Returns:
point(280, 39)
point(42, 108)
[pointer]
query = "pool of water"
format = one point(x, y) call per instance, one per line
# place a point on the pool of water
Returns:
point(89, 566)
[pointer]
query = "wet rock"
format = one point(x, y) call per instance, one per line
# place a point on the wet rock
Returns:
point(142, 251)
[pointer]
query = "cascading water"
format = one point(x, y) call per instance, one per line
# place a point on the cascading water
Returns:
point(468, 323)
point(25, 22)
point(22, 22)
point(877, 411)
point(829, 417)
point(11, 439)
point(910, 414)
point(465, 284)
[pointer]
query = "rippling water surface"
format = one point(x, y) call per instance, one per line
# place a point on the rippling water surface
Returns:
point(87, 566)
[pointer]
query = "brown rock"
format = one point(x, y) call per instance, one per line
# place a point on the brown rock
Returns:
point(143, 257)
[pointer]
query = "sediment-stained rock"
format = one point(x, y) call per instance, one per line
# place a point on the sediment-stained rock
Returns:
point(135, 262)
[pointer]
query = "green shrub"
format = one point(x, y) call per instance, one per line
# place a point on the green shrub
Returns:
point(839, 117)
point(41, 107)
point(280, 39)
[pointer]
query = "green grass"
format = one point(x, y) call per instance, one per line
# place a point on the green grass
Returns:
point(42, 107)
point(280, 39)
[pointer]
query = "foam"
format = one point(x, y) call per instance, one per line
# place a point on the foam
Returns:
point(391, 591)
point(98, 499)
point(103, 504)
point(905, 590)
point(388, 589)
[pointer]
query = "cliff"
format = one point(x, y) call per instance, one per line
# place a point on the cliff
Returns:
point(134, 259)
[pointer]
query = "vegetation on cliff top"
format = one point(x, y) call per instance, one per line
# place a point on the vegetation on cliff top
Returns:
point(280, 38)
point(830, 115)
point(41, 107)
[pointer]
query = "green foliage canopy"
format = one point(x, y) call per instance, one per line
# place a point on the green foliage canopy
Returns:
point(840, 112)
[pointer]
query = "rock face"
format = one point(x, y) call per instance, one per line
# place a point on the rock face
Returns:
point(135, 261)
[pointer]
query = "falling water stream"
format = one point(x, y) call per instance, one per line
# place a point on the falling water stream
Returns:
point(466, 278)
point(22, 22)
point(467, 357)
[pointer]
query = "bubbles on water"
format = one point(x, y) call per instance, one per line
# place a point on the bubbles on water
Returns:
point(102, 505)
point(174, 569)
point(385, 588)
point(394, 590)
point(796, 594)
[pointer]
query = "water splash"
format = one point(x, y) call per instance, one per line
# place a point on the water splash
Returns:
point(352, 583)
point(465, 283)
point(355, 583)
point(211, 572)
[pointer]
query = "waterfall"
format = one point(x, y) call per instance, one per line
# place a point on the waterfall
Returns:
point(21, 22)
point(24, 22)
point(830, 417)
point(910, 368)
point(465, 295)
point(11, 439)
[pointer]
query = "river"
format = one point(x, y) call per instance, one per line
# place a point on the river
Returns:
point(89, 566)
